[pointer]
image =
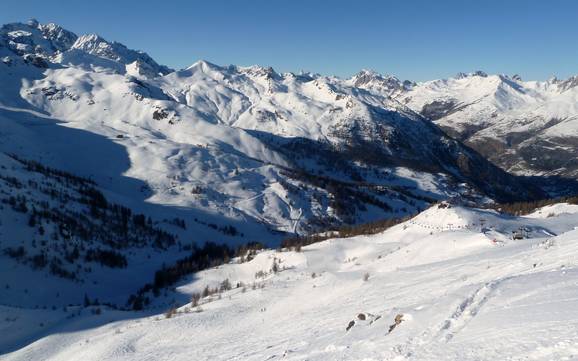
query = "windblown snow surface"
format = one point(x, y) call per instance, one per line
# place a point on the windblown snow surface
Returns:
point(452, 281)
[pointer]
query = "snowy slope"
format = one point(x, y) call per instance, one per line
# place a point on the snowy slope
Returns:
point(457, 283)
point(62, 237)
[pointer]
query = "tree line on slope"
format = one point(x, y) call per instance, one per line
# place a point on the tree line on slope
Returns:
point(208, 256)
point(523, 208)
point(72, 222)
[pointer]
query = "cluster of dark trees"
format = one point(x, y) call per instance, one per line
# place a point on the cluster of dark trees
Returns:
point(60, 175)
point(17, 203)
point(73, 221)
point(39, 261)
point(109, 258)
point(346, 198)
point(226, 230)
point(178, 222)
point(208, 291)
point(522, 208)
point(200, 258)
point(332, 160)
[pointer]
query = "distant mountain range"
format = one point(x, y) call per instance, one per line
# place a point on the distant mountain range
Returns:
point(525, 127)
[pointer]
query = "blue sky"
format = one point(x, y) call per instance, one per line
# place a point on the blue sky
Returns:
point(412, 39)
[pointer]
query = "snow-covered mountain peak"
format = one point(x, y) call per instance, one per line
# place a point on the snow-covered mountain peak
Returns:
point(200, 70)
point(368, 79)
point(366, 75)
point(567, 84)
point(461, 75)
point(302, 77)
point(61, 38)
point(96, 45)
point(480, 73)
point(477, 73)
point(203, 65)
point(33, 23)
point(521, 125)
point(42, 44)
point(220, 72)
point(492, 92)
point(34, 38)
point(445, 215)
point(140, 69)
point(259, 71)
point(90, 41)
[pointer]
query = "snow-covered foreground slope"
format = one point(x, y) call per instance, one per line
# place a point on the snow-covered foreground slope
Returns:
point(449, 284)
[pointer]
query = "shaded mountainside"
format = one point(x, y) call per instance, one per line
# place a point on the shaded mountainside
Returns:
point(54, 223)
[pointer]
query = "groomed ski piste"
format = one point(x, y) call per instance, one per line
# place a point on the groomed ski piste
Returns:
point(452, 283)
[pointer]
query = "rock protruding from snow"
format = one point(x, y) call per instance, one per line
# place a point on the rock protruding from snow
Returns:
point(61, 38)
